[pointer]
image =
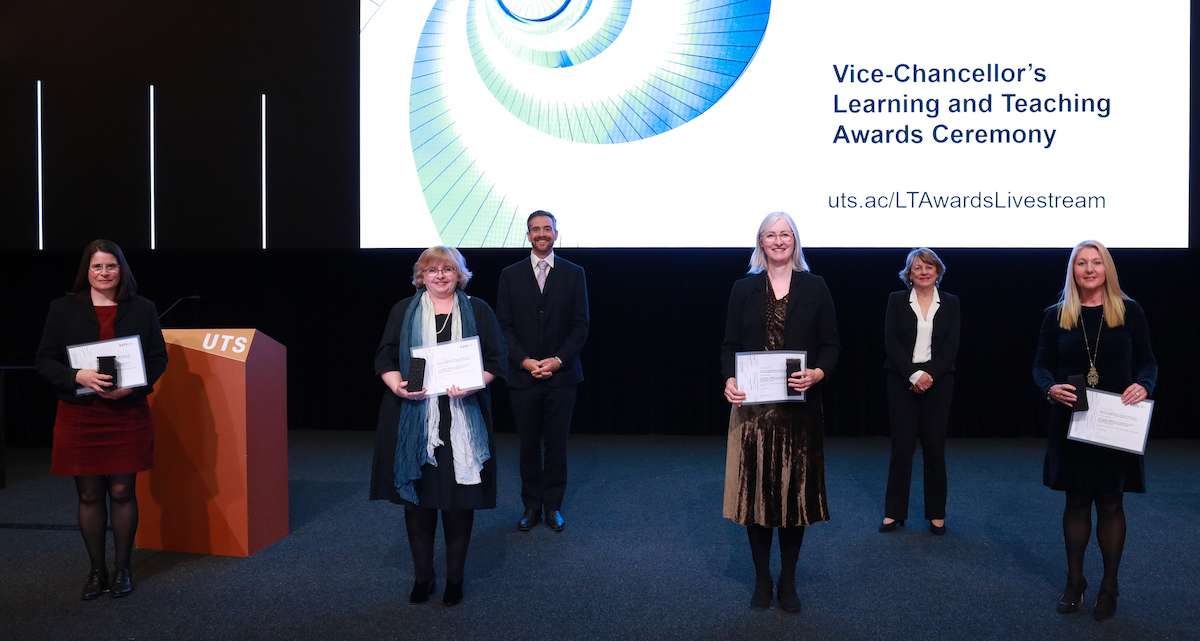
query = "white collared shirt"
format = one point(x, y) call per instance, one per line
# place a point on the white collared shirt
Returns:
point(923, 348)
point(533, 259)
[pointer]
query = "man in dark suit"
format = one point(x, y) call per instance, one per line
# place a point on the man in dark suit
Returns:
point(543, 311)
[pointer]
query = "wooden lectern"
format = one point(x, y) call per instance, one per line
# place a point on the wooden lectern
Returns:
point(220, 478)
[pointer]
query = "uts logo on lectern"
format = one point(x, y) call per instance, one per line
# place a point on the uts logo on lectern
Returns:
point(211, 340)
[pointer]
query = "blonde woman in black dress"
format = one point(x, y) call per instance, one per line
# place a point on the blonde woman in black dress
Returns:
point(1097, 331)
point(775, 465)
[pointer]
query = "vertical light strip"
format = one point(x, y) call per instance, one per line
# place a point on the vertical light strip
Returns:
point(153, 230)
point(264, 171)
point(41, 238)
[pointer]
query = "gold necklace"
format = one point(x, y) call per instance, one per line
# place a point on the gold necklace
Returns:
point(1093, 377)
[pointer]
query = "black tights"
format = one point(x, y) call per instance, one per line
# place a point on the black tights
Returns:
point(1110, 533)
point(790, 539)
point(94, 514)
point(421, 524)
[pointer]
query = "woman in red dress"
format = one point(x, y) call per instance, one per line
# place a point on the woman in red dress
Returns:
point(103, 435)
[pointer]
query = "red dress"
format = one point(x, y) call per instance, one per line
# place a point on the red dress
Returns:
point(105, 437)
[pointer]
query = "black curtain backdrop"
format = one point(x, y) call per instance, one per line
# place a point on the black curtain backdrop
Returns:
point(657, 315)
point(651, 362)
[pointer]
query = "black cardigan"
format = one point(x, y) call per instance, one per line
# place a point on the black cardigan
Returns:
point(71, 321)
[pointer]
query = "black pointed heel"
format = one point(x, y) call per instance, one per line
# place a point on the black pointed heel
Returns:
point(789, 600)
point(1072, 596)
point(1106, 604)
point(761, 599)
point(454, 593)
point(891, 527)
point(421, 590)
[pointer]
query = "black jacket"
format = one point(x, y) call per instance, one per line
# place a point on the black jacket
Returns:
point(810, 323)
point(543, 324)
point(72, 321)
point(900, 336)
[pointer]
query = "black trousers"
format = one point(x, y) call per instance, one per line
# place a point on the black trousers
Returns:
point(543, 417)
point(924, 416)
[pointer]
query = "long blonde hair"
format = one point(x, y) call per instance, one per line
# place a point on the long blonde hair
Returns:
point(758, 260)
point(1069, 305)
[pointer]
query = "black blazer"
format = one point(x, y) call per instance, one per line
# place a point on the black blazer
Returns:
point(72, 321)
point(543, 324)
point(810, 324)
point(900, 336)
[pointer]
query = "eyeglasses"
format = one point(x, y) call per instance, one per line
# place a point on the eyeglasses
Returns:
point(434, 271)
point(100, 269)
point(771, 236)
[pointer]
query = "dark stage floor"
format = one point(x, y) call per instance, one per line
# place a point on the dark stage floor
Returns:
point(645, 554)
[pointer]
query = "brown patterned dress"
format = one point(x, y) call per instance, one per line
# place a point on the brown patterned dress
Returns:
point(775, 461)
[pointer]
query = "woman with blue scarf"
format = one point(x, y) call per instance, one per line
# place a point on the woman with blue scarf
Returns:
point(434, 453)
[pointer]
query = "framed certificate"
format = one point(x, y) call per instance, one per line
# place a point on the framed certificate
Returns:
point(1108, 422)
point(452, 363)
point(763, 376)
point(131, 365)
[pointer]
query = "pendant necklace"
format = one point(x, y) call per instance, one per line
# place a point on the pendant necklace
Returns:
point(1093, 377)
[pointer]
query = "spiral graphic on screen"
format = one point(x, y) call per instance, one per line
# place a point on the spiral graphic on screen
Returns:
point(576, 70)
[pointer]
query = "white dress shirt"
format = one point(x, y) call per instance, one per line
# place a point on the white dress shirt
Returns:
point(923, 348)
point(533, 258)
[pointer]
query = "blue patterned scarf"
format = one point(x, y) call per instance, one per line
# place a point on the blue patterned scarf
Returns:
point(413, 434)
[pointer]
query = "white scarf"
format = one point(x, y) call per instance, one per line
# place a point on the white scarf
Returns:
point(464, 472)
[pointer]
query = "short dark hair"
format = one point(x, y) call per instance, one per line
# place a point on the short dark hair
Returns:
point(126, 286)
point(553, 220)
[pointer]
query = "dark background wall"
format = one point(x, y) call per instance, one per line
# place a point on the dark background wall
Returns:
point(657, 315)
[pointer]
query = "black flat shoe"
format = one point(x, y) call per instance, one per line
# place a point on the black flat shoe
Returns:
point(761, 599)
point(122, 584)
point(97, 584)
point(1072, 596)
point(1106, 604)
point(937, 529)
point(554, 520)
point(453, 595)
point(421, 590)
point(529, 519)
point(891, 527)
point(789, 601)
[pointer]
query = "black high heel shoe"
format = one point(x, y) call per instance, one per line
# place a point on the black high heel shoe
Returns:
point(1072, 596)
point(761, 599)
point(1106, 604)
point(454, 593)
point(938, 530)
point(891, 527)
point(789, 600)
point(97, 584)
point(421, 590)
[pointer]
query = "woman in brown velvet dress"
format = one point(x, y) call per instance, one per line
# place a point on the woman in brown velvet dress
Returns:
point(775, 466)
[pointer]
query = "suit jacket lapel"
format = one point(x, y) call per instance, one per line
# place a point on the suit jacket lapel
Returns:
point(88, 312)
point(792, 297)
point(759, 299)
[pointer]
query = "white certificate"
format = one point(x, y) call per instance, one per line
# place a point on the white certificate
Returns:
point(1111, 423)
point(763, 376)
point(452, 363)
point(131, 366)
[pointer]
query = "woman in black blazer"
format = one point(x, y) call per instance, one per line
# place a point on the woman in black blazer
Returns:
point(775, 462)
point(920, 334)
point(103, 433)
